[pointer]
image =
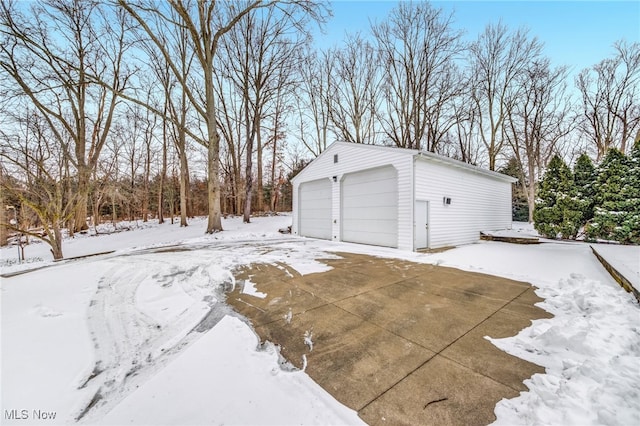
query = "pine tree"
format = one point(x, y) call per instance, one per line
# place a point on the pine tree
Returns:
point(610, 210)
point(520, 208)
point(584, 176)
point(557, 212)
point(631, 198)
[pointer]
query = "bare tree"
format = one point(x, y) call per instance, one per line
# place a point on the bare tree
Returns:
point(232, 130)
point(418, 48)
point(206, 23)
point(611, 99)
point(313, 121)
point(33, 172)
point(497, 58)
point(51, 50)
point(464, 132)
point(355, 90)
point(176, 105)
point(165, 143)
point(281, 110)
point(260, 56)
point(537, 122)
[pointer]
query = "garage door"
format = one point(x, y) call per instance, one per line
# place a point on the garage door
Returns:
point(370, 207)
point(315, 209)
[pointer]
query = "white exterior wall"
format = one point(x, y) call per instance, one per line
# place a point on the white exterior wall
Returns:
point(478, 202)
point(353, 158)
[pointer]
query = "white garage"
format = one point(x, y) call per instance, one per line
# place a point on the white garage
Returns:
point(396, 197)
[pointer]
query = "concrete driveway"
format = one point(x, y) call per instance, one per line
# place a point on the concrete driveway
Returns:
point(399, 342)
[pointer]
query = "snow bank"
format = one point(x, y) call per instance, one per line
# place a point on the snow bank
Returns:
point(590, 349)
point(625, 259)
point(518, 230)
point(591, 352)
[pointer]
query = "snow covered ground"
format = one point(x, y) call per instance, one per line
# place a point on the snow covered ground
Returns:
point(625, 259)
point(518, 230)
point(111, 339)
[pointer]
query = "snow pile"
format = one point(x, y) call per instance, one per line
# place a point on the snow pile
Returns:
point(518, 230)
point(590, 349)
point(591, 352)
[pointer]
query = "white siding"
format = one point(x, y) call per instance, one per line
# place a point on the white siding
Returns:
point(478, 202)
point(355, 157)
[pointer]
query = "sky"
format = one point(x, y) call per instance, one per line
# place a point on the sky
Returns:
point(578, 34)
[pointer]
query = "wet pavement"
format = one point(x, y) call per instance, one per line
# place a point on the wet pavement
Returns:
point(399, 342)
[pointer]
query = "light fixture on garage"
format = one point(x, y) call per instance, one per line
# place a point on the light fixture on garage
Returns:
point(335, 178)
point(446, 201)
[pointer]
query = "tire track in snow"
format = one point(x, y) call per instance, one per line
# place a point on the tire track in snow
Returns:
point(150, 302)
point(142, 314)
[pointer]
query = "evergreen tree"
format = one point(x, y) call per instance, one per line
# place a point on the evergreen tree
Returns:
point(631, 198)
point(584, 176)
point(611, 188)
point(557, 212)
point(520, 209)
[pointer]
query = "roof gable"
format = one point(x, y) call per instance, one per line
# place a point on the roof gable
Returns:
point(421, 155)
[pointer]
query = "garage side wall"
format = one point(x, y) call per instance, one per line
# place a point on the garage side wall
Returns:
point(353, 158)
point(478, 203)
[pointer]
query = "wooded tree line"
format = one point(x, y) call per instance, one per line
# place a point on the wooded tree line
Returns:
point(140, 108)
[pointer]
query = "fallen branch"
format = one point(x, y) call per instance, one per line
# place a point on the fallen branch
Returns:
point(434, 401)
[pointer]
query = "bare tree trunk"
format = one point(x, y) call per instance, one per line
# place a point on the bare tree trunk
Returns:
point(172, 194)
point(4, 234)
point(274, 155)
point(238, 185)
point(80, 223)
point(190, 208)
point(259, 189)
point(163, 172)
point(56, 242)
point(113, 210)
point(248, 170)
point(531, 190)
point(184, 184)
point(214, 223)
point(96, 212)
point(145, 189)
